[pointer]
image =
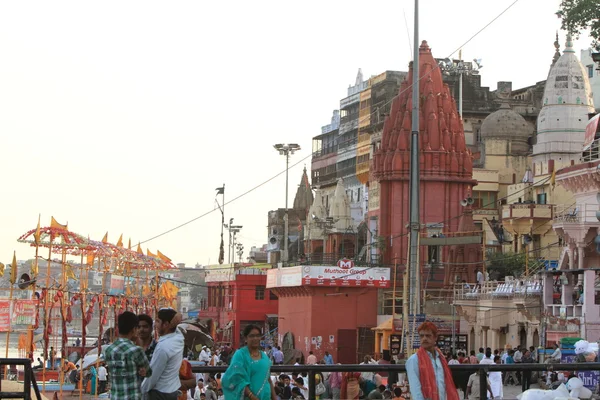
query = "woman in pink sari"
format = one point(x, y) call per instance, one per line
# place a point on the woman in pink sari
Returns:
point(350, 385)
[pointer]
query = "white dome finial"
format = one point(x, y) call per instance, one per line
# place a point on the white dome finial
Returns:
point(569, 44)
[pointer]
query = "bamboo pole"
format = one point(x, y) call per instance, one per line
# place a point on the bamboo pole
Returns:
point(47, 317)
point(63, 350)
point(100, 309)
point(10, 300)
point(33, 287)
point(82, 300)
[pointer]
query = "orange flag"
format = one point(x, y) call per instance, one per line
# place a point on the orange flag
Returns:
point(150, 253)
point(54, 224)
point(34, 268)
point(105, 238)
point(36, 235)
point(13, 269)
point(139, 249)
point(162, 256)
point(120, 241)
point(69, 272)
point(90, 259)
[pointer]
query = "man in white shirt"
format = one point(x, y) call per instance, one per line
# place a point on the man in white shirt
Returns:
point(164, 382)
point(480, 279)
point(518, 355)
point(102, 375)
point(556, 356)
point(204, 356)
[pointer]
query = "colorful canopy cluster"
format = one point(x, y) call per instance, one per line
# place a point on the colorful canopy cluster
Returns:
point(60, 240)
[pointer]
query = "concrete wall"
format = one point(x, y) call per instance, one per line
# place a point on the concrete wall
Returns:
point(323, 313)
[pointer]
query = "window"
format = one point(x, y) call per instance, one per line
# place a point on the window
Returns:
point(541, 198)
point(272, 295)
point(259, 293)
point(484, 200)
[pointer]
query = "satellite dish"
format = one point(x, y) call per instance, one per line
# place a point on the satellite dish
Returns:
point(25, 281)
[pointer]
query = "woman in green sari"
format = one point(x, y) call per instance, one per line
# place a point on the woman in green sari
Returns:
point(248, 376)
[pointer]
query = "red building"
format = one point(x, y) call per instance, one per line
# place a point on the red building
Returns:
point(446, 176)
point(327, 308)
point(238, 297)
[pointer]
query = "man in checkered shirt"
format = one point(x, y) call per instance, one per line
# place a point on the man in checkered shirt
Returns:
point(126, 362)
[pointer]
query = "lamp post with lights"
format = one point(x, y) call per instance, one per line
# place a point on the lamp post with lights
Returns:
point(286, 150)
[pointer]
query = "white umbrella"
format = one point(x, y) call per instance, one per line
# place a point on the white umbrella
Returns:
point(89, 361)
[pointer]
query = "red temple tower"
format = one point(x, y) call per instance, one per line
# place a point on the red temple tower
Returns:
point(446, 177)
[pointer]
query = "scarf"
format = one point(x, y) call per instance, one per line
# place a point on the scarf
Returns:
point(427, 377)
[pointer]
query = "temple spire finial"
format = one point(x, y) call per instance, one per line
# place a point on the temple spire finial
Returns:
point(556, 51)
point(569, 44)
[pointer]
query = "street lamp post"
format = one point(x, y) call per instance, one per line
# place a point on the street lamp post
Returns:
point(286, 150)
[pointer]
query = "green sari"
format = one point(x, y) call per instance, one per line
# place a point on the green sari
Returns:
point(244, 371)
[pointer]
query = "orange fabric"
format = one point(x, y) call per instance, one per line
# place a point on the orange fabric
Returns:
point(185, 372)
point(427, 377)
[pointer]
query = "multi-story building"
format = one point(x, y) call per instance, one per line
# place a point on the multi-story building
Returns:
point(551, 203)
point(237, 297)
point(593, 73)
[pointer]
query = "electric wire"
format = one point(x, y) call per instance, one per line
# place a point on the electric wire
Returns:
point(310, 155)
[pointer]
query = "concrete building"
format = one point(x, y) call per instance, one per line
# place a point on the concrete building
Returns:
point(237, 297)
point(593, 74)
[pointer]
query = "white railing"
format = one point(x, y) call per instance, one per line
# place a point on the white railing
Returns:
point(576, 213)
point(498, 290)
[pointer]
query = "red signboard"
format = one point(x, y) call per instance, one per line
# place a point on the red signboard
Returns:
point(4, 315)
point(342, 277)
point(23, 312)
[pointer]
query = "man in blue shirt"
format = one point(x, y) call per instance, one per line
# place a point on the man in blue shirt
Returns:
point(328, 358)
point(433, 379)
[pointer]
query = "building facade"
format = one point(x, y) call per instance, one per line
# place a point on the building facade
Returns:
point(237, 297)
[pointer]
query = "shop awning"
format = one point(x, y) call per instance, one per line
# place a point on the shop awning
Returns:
point(272, 316)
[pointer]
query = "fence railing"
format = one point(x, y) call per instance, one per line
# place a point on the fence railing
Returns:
point(311, 370)
point(28, 380)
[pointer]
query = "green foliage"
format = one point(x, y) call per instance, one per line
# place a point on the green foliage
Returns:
point(579, 15)
point(505, 264)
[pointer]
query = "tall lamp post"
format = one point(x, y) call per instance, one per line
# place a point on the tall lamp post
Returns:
point(460, 68)
point(286, 150)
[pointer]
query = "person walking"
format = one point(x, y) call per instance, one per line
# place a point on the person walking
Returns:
point(248, 375)
point(127, 363)
point(428, 374)
point(166, 360)
point(526, 375)
point(102, 379)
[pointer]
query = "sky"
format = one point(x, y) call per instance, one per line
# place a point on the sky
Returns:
point(123, 117)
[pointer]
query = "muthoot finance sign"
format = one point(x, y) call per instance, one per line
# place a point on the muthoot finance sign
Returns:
point(349, 277)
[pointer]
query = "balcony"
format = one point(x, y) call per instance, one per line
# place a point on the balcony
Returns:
point(527, 211)
point(493, 290)
point(576, 214)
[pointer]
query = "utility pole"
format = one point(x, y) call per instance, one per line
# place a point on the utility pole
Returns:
point(415, 224)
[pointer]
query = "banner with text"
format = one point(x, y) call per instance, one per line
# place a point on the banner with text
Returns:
point(23, 312)
point(339, 276)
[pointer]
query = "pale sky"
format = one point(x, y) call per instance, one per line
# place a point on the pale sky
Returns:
point(124, 116)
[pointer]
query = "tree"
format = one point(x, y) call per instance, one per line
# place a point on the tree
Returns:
point(579, 15)
point(501, 265)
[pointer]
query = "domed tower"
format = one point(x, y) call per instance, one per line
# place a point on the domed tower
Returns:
point(506, 135)
point(564, 114)
point(446, 167)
